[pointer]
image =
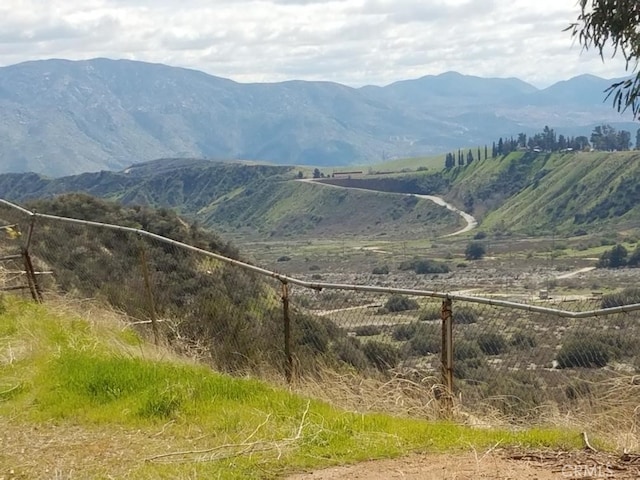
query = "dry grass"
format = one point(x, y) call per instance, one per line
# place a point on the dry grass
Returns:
point(411, 397)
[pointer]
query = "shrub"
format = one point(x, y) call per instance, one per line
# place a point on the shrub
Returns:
point(474, 251)
point(480, 235)
point(316, 276)
point(400, 303)
point(427, 340)
point(313, 334)
point(517, 393)
point(464, 315)
point(405, 331)
point(424, 266)
point(614, 258)
point(465, 350)
point(382, 270)
point(368, 330)
point(491, 343)
point(349, 351)
point(583, 352)
point(430, 312)
point(523, 339)
point(313, 268)
point(381, 355)
point(625, 297)
point(284, 258)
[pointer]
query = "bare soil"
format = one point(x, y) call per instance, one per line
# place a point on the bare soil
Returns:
point(495, 464)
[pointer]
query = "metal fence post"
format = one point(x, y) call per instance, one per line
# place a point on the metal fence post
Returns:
point(149, 293)
point(288, 363)
point(447, 355)
point(32, 280)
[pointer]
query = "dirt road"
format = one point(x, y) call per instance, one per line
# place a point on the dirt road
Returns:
point(495, 464)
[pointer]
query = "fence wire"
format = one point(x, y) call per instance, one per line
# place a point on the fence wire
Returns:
point(518, 360)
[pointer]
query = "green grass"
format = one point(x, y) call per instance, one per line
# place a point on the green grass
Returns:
point(95, 390)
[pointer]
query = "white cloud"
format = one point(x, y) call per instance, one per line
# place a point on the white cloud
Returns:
point(349, 41)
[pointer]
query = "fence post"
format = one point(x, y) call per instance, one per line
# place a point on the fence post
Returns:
point(447, 355)
point(32, 280)
point(288, 365)
point(149, 293)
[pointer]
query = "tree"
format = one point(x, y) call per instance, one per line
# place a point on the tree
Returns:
point(474, 251)
point(316, 173)
point(638, 139)
point(613, 23)
point(469, 157)
point(614, 258)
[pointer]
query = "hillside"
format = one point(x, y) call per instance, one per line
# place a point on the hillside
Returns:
point(523, 192)
point(63, 117)
point(256, 200)
point(538, 194)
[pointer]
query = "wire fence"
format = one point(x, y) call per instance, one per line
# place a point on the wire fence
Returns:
point(473, 353)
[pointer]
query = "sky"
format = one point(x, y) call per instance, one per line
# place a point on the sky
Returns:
point(354, 42)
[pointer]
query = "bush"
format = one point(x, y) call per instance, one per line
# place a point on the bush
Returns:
point(523, 339)
point(627, 296)
point(474, 251)
point(464, 315)
point(316, 276)
point(349, 351)
point(383, 356)
point(491, 343)
point(466, 350)
point(284, 258)
point(583, 353)
point(400, 303)
point(614, 258)
point(427, 340)
point(314, 268)
point(405, 331)
point(480, 235)
point(382, 270)
point(424, 266)
point(368, 330)
point(430, 312)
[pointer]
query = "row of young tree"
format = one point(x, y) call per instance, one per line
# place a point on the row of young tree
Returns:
point(603, 137)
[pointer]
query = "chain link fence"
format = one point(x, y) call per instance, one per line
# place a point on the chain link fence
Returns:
point(482, 355)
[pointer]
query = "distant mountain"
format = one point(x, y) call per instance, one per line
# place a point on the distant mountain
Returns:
point(429, 91)
point(59, 117)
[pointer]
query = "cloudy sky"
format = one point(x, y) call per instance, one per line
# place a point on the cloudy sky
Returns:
point(355, 42)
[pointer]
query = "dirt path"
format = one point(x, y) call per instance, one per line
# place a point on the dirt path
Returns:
point(471, 221)
point(575, 272)
point(495, 465)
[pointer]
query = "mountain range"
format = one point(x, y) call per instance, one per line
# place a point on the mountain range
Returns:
point(60, 117)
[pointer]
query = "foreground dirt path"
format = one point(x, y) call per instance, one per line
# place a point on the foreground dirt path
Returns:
point(495, 465)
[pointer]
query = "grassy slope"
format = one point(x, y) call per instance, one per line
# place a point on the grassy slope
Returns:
point(288, 208)
point(85, 396)
point(538, 194)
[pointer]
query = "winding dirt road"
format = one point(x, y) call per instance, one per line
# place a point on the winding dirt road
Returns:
point(471, 221)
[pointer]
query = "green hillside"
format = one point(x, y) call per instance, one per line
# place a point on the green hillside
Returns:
point(542, 193)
